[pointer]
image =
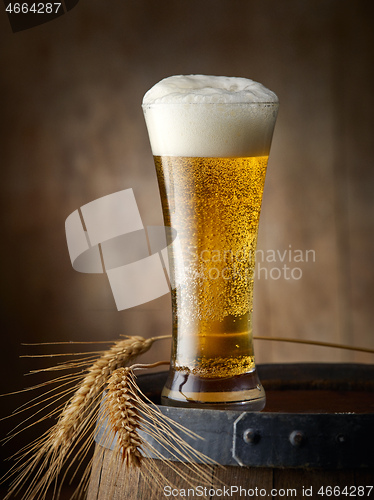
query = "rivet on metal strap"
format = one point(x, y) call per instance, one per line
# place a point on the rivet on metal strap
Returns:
point(251, 436)
point(297, 438)
point(341, 438)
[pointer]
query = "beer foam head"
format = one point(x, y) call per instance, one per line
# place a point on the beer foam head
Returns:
point(218, 116)
point(207, 89)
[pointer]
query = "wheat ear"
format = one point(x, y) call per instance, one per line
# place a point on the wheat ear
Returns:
point(39, 464)
point(124, 417)
point(130, 422)
point(92, 385)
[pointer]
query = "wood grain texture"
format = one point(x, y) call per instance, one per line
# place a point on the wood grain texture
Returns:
point(72, 130)
point(244, 481)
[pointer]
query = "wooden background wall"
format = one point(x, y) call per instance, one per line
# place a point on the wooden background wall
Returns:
point(72, 131)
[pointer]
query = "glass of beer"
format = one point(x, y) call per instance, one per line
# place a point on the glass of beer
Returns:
point(210, 137)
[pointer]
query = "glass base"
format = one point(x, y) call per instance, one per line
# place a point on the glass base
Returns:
point(242, 392)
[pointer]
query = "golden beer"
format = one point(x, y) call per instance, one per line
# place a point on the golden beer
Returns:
point(214, 203)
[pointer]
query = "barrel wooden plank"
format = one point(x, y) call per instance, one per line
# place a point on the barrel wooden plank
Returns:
point(110, 480)
point(296, 483)
point(106, 467)
point(307, 482)
point(364, 477)
point(243, 477)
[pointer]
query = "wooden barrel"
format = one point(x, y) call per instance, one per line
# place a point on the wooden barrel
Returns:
point(315, 439)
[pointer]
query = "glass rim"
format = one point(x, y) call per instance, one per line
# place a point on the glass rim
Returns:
point(241, 103)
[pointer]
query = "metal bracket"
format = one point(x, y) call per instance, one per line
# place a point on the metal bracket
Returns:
point(303, 440)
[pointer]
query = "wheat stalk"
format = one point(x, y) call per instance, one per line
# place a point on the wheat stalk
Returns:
point(40, 463)
point(75, 412)
point(126, 417)
point(127, 412)
point(316, 343)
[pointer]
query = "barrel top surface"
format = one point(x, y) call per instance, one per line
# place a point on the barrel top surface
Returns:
point(317, 415)
point(301, 387)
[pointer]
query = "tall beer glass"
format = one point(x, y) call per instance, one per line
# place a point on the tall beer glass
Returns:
point(210, 138)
